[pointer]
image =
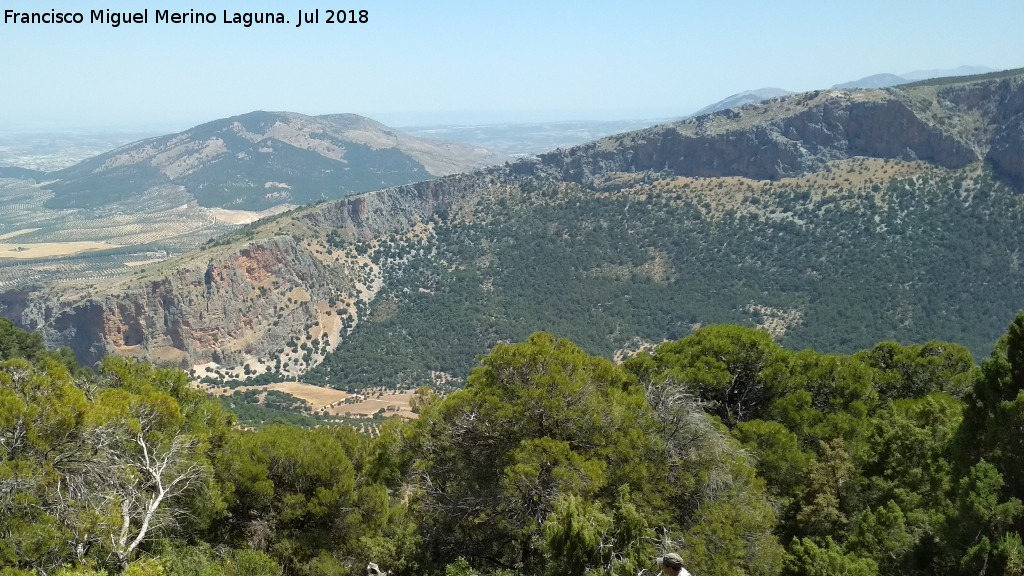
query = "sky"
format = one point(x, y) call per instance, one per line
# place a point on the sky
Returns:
point(473, 62)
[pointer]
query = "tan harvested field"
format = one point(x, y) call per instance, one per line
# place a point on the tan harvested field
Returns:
point(397, 401)
point(50, 249)
point(88, 244)
point(238, 217)
point(18, 233)
point(334, 401)
point(317, 396)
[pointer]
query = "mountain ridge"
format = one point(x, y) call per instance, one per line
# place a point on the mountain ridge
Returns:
point(765, 140)
point(260, 160)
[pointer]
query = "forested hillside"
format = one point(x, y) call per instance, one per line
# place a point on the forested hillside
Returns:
point(836, 263)
point(742, 456)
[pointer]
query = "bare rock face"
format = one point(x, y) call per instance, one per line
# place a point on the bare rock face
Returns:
point(766, 142)
point(244, 303)
point(371, 215)
point(1007, 153)
point(999, 134)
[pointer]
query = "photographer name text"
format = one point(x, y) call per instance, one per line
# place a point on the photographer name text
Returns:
point(116, 19)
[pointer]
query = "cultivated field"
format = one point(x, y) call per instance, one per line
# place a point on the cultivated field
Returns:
point(32, 250)
point(336, 402)
point(39, 245)
point(393, 402)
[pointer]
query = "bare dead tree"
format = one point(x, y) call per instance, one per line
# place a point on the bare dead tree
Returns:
point(150, 477)
point(691, 436)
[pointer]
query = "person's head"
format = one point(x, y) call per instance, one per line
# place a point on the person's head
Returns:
point(672, 565)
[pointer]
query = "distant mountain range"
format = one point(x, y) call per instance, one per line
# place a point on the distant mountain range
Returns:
point(747, 97)
point(918, 75)
point(868, 82)
point(887, 80)
point(873, 81)
point(264, 159)
point(148, 200)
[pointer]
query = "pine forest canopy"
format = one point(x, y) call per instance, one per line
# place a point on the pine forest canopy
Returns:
point(742, 456)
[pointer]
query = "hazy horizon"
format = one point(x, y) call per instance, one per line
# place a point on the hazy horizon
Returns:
point(465, 62)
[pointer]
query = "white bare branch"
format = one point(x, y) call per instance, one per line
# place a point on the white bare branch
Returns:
point(154, 476)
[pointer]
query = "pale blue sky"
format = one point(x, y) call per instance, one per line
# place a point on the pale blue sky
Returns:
point(420, 62)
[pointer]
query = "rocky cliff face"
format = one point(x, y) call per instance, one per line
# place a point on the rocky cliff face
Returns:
point(782, 138)
point(241, 303)
point(987, 115)
point(1006, 155)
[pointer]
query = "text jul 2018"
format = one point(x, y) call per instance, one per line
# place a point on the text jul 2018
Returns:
point(246, 19)
point(334, 17)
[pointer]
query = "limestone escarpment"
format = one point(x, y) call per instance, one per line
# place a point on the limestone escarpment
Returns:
point(242, 303)
point(385, 211)
point(990, 116)
point(1006, 155)
point(783, 138)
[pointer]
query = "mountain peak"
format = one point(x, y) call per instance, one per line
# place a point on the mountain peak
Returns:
point(883, 80)
point(742, 98)
point(262, 159)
